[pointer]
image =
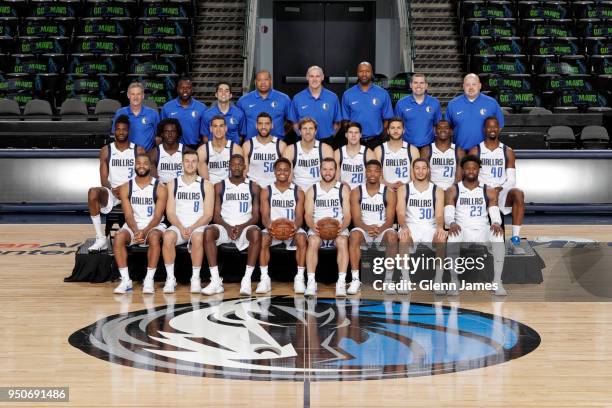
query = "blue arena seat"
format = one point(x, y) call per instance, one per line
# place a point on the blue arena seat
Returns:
point(546, 9)
point(109, 9)
point(46, 27)
point(35, 64)
point(95, 26)
point(497, 27)
point(157, 27)
point(488, 9)
point(100, 46)
point(499, 65)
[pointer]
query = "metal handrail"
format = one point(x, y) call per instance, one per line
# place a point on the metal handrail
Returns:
point(248, 50)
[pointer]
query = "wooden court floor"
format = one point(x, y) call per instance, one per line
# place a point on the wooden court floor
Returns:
point(572, 367)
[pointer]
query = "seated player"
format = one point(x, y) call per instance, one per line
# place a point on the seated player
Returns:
point(262, 151)
point(373, 215)
point(282, 199)
point(306, 155)
point(351, 158)
point(117, 161)
point(420, 213)
point(468, 204)
point(235, 220)
point(143, 200)
point(327, 198)
point(396, 156)
point(167, 157)
point(190, 206)
point(499, 171)
point(215, 154)
point(443, 157)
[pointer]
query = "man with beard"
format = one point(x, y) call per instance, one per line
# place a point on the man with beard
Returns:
point(369, 105)
point(443, 157)
point(117, 161)
point(167, 157)
point(188, 111)
point(191, 201)
point(234, 117)
point(262, 151)
point(499, 171)
point(214, 156)
point(282, 200)
point(143, 120)
point(143, 200)
point(235, 221)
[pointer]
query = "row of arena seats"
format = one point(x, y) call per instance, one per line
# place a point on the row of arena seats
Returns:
point(590, 137)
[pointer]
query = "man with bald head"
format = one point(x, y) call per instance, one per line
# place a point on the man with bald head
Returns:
point(317, 103)
point(467, 113)
point(264, 99)
point(369, 105)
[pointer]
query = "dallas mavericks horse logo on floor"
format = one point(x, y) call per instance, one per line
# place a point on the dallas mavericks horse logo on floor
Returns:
point(286, 338)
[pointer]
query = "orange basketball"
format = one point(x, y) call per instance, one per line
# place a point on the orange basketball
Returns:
point(282, 229)
point(328, 228)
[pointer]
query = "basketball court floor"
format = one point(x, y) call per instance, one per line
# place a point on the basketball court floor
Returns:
point(546, 345)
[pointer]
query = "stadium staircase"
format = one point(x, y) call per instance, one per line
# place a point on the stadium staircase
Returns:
point(439, 53)
point(218, 47)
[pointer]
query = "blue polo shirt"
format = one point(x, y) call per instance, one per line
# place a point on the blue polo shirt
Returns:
point(419, 119)
point(325, 110)
point(467, 118)
point(277, 104)
point(369, 108)
point(234, 120)
point(190, 118)
point(142, 127)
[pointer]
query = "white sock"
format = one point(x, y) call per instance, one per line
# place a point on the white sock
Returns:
point(150, 273)
point(406, 274)
point(97, 223)
point(516, 230)
point(499, 253)
point(124, 273)
point(214, 272)
point(248, 271)
point(169, 271)
point(300, 272)
point(264, 272)
point(342, 277)
point(195, 272)
point(355, 274)
point(311, 277)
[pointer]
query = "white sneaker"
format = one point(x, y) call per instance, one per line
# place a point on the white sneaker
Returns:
point(124, 286)
point(215, 286)
point(245, 286)
point(354, 287)
point(264, 285)
point(100, 244)
point(298, 285)
point(196, 285)
point(311, 288)
point(500, 291)
point(170, 285)
point(340, 289)
point(148, 286)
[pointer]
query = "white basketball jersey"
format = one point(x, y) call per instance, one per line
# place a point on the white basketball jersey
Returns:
point(396, 165)
point(282, 204)
point(307, 166)
point(261, 161)
point(169, 166)
point(120, 164)
point(188, 200)
point(236, 201)
point(421, 205)
point(327, 203)
point(218, 162)
point(352, 168)
point(373, 208)
point(471, 207)
point(493, 170)
point(143, 201)
point(443, 166)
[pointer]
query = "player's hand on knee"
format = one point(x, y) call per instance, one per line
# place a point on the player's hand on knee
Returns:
point(497, 229)
point(395, 186)
point(404, 235)
point(454, 229)
point(373, 230)
point(316, 230)
point(441, 235)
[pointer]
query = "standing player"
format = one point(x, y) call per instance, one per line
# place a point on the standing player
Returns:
point(420, 212)
point(306, 155)
point(214, 155)
point(282, 199)
point(262, 151)
point(167, 157)
point(373, 214)
point(443, 157)
point(117, 161)
point(396, 156)
point(191, 201)
point(499, 171)
point(327, 198)
point(468, 204)
point(351, 158)
point(236, 217)
point(143, 200)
